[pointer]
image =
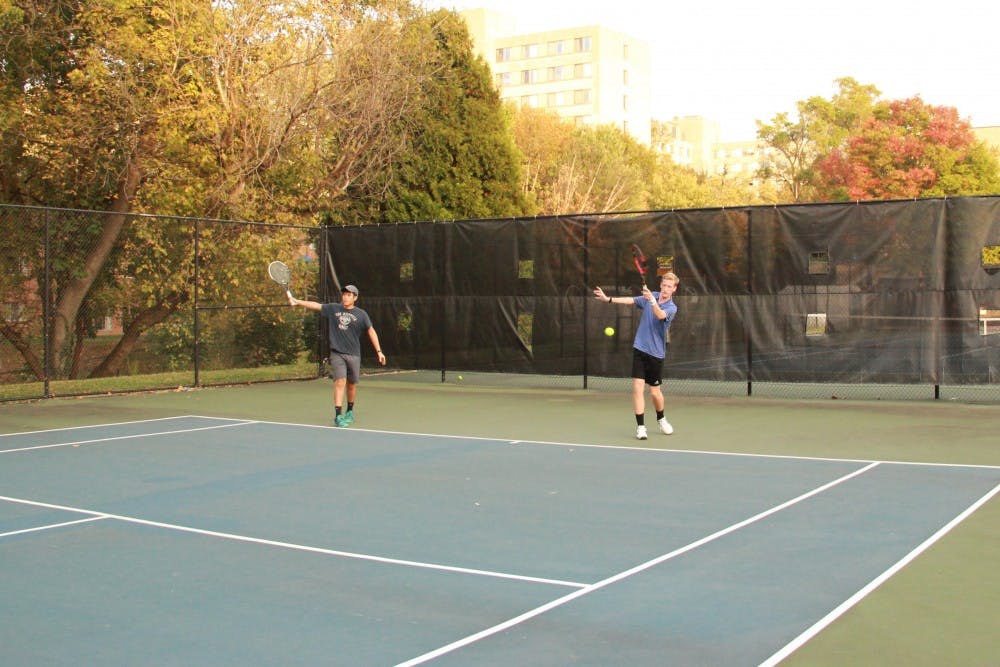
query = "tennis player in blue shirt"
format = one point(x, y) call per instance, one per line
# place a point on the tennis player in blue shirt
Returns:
point(649, 348)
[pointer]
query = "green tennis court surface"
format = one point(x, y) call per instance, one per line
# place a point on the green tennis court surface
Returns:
point(209, 540)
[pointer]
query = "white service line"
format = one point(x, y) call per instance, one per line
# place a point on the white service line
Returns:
point(122, 437)
point(821, 624)
point(135, 421)
point(299, 547)
point(53, 525)
point(627, 573)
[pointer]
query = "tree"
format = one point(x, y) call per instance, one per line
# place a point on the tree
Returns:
point(906, 149)
point(577, 169)
point(463, 162)
point(796, 144)
point(230, 109)
point(542, 137)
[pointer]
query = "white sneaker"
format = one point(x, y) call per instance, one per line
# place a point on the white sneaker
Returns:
point(665, 427)
point(640, 433)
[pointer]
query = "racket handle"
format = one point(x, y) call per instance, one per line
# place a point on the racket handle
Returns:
point(289, 293)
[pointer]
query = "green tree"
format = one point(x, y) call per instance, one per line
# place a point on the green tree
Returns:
point(908, 148)
point(462, 163)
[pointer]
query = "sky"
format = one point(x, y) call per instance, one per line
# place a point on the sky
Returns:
point(737, 62)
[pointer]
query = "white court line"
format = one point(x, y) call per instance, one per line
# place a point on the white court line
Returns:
point(821, 624)
point(298, 547)
point(627, 573)
point(53, 525)
point(137, 421)
point(122, 437)
point(631, 448)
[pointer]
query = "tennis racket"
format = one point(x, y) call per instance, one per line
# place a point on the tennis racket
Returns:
point(639, 259)
point(280, 274)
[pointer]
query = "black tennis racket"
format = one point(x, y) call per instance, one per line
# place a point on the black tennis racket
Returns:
point(639, 259)
point(280, 274)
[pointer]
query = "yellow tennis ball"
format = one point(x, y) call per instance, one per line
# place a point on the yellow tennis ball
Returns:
point(609, 331)
point(459, 377)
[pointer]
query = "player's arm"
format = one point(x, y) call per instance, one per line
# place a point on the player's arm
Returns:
point(601, 296)
point(311, 305)
point(373, 337)
point(658, 312)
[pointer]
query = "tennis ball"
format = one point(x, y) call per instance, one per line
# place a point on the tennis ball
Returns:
point(609, 331)
point(459, 377)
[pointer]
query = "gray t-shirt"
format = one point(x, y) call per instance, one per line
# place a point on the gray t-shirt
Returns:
point(346, 327)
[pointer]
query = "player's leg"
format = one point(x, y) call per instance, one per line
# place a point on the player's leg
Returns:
point(656, 393)
point(338, 371)
point(639, 393)
point(353, 376)
point(338, 400)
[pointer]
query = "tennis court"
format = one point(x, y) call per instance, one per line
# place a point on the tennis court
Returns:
point(214, 539)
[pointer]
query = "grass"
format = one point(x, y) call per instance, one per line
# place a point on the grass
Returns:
point(152, 381)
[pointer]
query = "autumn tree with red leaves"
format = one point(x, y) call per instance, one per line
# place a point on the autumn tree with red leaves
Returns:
point(905, 149)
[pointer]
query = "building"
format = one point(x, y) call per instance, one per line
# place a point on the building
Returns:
point(590, 74)
point(989, 135)
point(739, 160)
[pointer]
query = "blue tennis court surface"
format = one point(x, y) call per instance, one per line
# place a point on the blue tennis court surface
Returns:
point(204, 541)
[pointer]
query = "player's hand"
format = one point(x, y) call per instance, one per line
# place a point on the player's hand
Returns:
point(647, 293)
point(599, 294)
point(381, 358)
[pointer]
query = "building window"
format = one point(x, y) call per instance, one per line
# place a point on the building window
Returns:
point(625, 102)
point(528, 76)
point(504, 79)
point(529, 100)
point(13, 312)
point(581, 44)
point(529, 51)
point(581, 96)
point(625, 76)
point(558, 99)
point(504, 55)
point(559, 73)
point(557, 47)
point(582, 70)
point(625, 51)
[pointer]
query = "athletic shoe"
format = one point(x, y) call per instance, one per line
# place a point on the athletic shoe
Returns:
point(665, 427)
point(341, 420)
point(349, 417)
point(640, 433)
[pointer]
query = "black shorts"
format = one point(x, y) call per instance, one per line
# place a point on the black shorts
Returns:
point(647, 367)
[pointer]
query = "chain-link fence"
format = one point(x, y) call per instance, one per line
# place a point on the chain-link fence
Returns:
point(862, 300)
point(97, 302)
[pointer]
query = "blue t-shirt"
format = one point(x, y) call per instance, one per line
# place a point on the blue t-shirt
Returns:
point(651, 334)
point(346, 327)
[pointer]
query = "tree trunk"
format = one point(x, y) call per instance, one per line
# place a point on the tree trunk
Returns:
point(130, 336)
point(72, 295)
